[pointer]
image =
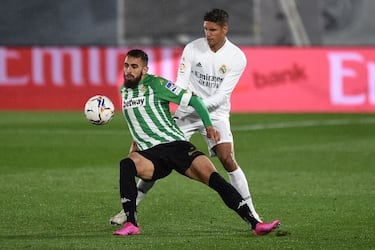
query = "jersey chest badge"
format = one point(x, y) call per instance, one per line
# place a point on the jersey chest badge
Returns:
point(223, 69)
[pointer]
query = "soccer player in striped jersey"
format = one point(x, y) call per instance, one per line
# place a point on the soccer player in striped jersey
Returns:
point(161, 146)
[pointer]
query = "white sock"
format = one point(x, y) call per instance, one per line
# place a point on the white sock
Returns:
point(143, 187)
point(238, 180)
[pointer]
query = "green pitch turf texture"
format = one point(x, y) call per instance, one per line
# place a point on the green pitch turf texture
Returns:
point(314, 172)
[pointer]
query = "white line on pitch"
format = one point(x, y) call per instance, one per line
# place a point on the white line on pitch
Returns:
point(301, 124)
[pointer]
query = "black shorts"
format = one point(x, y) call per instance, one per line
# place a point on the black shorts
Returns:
point(176, 155)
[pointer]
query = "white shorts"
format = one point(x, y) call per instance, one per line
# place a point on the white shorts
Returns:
point(191, 123)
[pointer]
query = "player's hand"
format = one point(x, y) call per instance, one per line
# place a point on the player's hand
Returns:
point(213, 134)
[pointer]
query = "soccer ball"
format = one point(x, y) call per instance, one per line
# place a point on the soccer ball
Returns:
point(99, 110)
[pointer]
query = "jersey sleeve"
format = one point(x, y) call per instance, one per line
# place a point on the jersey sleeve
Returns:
point(169, 91)
point(184, 69)
point(197, 103)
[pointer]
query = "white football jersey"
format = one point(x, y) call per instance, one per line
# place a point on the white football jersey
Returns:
point(211, 75)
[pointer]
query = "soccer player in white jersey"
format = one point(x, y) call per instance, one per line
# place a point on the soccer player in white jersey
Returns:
point(161, 146)
point(210, 67)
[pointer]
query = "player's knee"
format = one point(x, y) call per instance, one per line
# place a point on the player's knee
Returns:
point(228, 162)
point(127, 167)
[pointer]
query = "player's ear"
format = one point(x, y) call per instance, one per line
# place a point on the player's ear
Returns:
point(225, 29)
point(145, 69)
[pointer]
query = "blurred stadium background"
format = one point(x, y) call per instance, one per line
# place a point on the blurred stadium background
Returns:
point(73, 49)
point(162, 22)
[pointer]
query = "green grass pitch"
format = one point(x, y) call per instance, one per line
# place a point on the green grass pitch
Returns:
point(314, 172)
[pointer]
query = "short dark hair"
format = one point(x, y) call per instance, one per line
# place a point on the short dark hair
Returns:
point(217, 16)
point(138, 53)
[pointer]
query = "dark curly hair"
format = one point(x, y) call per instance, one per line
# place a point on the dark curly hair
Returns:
point(137, 53)
point(217, 16)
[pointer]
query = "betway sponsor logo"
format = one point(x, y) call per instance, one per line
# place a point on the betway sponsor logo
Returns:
point(133, 103)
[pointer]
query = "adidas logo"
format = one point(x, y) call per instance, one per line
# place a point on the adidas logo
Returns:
point(198, 65)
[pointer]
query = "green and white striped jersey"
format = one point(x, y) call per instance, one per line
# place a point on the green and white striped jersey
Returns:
point(146, 111)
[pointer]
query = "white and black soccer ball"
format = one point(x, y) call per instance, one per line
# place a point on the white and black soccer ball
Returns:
point(99, 110)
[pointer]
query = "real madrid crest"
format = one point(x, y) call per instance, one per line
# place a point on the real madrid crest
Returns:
point(223, 69)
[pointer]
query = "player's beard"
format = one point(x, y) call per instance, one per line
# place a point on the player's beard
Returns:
point(131, 82)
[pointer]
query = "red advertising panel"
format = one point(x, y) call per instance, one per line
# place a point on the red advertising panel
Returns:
point(58, 78)
point(275, 80)
point(307, 80)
